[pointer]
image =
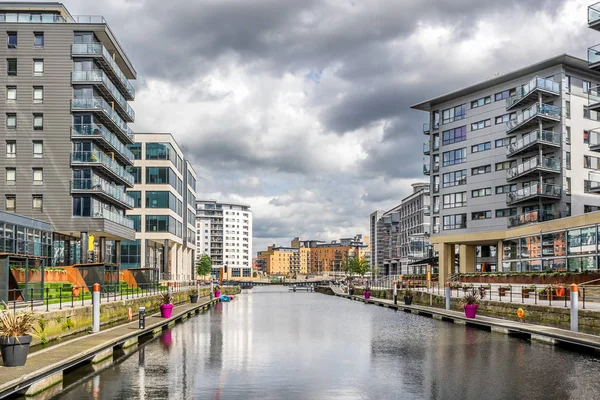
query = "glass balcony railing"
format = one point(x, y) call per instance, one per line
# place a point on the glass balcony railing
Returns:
point(594, 55)
point(594, 14)
point(594, 138)
point(532, 217)
point(84, 49)
point(103, 213)
point(545, 110)
point(36, 18)
point(532, 164)
point(535, 190)
point(99, 130)
point(547, 85)
point(98, 103)
point(534, 137)
point(101, 158)
point(98, 184)
point(89, 19)
point(436, 208)
point(97, 75)
point(426, 129)
point(436, 229)
point(426, 169)
point(426, 148)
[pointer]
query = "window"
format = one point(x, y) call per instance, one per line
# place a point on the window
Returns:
point(11, 176)
point(38, 39)
point(38, 122)
point(38, 149)
point(161, 200)
point(586, 137)
point(504, 165)
point(11, 67)
point(591, 162)
point(11, 121)
point(11, 149)
point(589, 209)
point(481, 215)
point(82, 206)
point(11, 94)
point(161, 223)
point(38, 176)
point(159, 151)
point(506, 189)
point(38, 67)
point(568, 159)
point(506, 212)
point(136, 149)
point(454, 157)
point(504, 142)
point(458, 221)
point(454, 114)
point(10, 202)
point(501, 119)
point(137, 198)
point(38, 94)
point(12, 40)
point(481, 192)
point(37, 202)
point(567, 83)
point(136, 172)
point(484, 169)
point(481, 102)
point(455, 178)
point(436, 119)
point(505, 94)
point(137, 222)
point(568, 134)
point(586, 86)
point(567, 109)
point(455, 200)
point(481, 147)
point(454, 135)
point(568, 190)
point(481, 124)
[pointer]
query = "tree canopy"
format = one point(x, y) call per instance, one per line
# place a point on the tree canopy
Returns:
point(204, 265)
point(355, 265)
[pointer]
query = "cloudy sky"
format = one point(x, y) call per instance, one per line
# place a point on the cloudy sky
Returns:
point(301, 107)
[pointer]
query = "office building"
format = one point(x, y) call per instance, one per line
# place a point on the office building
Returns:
point(164, 212)
point(224, 232)
point(66, 91)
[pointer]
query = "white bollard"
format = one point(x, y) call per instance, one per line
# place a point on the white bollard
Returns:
point(170, 288)
point(448, 296)
point(574, 307)
point(95, 308)
point(395, 293)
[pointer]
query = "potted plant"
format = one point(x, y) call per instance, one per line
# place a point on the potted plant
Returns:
point(166, 305)
point(408, 296)
point(351, 289)
point(470, 303)
point(502, 290)
point(525, 290)
point(367, 293)
point(75, 291)
point(217, 290)
point(193, 295)
point(15, 336)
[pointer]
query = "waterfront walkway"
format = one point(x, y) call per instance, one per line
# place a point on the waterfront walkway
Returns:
point(53, 360)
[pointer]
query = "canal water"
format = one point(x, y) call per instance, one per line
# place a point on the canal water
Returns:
point(275, 344)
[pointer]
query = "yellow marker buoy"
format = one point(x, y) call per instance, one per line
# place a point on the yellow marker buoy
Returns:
point(520, 314)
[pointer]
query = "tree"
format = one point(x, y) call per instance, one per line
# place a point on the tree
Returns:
point(356, 265)
point(204, 265)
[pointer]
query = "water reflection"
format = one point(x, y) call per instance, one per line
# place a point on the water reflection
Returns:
point(272, 344)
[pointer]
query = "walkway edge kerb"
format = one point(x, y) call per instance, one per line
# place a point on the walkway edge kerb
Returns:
point(27, 380)
point(559, 335)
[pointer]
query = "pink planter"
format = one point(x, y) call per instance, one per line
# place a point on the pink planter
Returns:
point(470, 310)
point(166, 310)
point(217, 294)
point(367, 295)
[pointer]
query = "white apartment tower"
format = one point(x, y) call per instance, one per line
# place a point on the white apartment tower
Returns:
point(224, 232)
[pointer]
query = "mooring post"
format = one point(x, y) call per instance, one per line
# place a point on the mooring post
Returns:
point(96, 308)
point(395, 293)
point(447, 295)
point(574, 289)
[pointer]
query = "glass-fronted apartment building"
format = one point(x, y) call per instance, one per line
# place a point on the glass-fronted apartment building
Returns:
point(163, 214)
point(514, 150)
point(65, 98)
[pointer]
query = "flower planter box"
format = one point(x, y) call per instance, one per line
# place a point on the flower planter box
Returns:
point(502, 291)
point(166, 310)
point(470, 310)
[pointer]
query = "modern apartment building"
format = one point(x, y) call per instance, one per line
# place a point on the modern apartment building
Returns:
point(516, 149)
point(403, 234)
point(328, 258)
point(164, 208)
point(285, 261)
point(66, 91)
point(376, 231)
point(224, 231)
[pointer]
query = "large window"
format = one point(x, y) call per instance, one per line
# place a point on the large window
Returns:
point(161, 175)
point(137, 198)
point(159, 151)
point(502, 119)
point(454, 114)
point(506, 189)
point(136, 149)
point(137, 222)
point(137, 174)
point(455, 178)
point(454, 135)
point(481, 102)
point(506, 212)
point(131, 254)
point(161, 223)
point(582, 241)
point(481, 124)
point(82, 206)
point(481, 147)
point(161, 200)
point(455, 200)
point(505, 94)
point(481, 215)
point(191, 181)
point(481, 192)
point(453, 157)
point(458, 221)
point(484, 169)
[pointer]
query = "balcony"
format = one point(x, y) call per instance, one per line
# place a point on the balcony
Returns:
point(426, 169)
point(426, 148)
point(436, 208)
point(105, 113)
point(102, 188)
point(531, 116)
point(594, 16)
point(535, 191)
point(436, 167)
point(541, 164)
point(426, 210)
point(528, 93)
point(106, 61)
point(104, 84)
point(25, 17)
point(109, 165)
point(103, 213)
point(426, 129)
point(436, 229)
point(531, 217)
point(107, 139)
point(532, 140)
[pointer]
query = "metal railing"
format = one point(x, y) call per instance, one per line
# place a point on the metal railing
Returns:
point(533, 137)
point(98, 103)
point(98, 75)
point(532, 217)
point(35, 17)
point(426, 169)
point(99, 184)
point(531, 164)
point(100, 130)
point(593, 13)
point(426, 148)
point(426, 129)
point(537, 109)
point(536, 83)
point(100, 157)
point(533, 190)
point(100, 212)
